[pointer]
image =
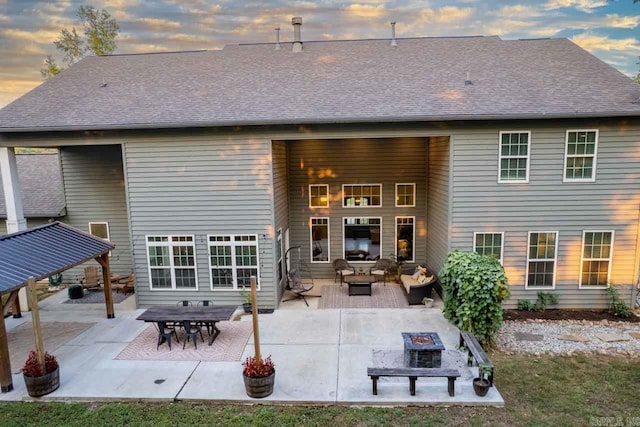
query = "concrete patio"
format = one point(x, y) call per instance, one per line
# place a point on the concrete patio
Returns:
point(321, 357)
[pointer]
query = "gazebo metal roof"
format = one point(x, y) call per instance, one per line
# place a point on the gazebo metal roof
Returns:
point(43, 251)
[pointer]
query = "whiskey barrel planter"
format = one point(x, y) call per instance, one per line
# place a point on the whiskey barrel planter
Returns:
point(259, 387)
point(42, 385)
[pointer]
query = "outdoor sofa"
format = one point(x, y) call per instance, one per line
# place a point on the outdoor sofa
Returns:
point(414, 290)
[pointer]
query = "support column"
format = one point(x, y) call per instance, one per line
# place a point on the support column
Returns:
point(13, 201)
point(103, 260)
point(6, 381)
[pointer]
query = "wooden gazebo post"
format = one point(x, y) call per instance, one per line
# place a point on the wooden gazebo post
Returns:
point(103, 260)
point(6, 382)
point(254, 315)
point(35, 319)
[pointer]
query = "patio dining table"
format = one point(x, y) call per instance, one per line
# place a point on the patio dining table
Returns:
point(205, 314)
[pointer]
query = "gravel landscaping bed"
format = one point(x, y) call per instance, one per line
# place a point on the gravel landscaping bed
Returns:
point(569, 336)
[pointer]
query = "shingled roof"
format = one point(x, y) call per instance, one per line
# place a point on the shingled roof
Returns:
point(41, 186)
point(329, 82)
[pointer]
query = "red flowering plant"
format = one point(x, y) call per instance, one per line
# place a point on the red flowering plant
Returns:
point(32, 367)
point(258, 368)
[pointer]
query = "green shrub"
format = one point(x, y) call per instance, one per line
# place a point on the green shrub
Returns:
point(474, 287)
point(545, 299)
point(525, 305)
point(617, 307)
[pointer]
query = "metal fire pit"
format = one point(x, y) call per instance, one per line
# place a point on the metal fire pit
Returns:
point(422, 349)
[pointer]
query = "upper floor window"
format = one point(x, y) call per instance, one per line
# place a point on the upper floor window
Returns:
point(318, 196)
point(361, 195)
point(514, 157)
point(541, 263)
point(405, 195)
point(490, 244)
point(580, 155)
point(99, 229)
point(233, 259)
point(172, 262)
point(597, 251)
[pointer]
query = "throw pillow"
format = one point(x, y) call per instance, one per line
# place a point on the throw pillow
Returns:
point(422, 279)
point(421, 269)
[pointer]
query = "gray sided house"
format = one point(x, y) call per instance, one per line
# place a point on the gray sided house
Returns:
point(42, 191)
point(207, 166)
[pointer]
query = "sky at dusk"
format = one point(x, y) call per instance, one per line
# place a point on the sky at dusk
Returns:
point(606, 28)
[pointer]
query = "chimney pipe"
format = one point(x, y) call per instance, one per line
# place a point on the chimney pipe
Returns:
point(297, 40)
point(393, 34)
point(278, 37)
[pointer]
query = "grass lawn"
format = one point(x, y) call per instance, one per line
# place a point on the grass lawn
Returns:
point(539, 391)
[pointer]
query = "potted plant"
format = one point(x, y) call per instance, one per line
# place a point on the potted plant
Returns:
point(41, 381)
point(259, 376)
point(247, 300)
point(481, 384)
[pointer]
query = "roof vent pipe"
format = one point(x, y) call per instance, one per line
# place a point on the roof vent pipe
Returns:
point(278, 37)
point(393, 34)
point(297, 40)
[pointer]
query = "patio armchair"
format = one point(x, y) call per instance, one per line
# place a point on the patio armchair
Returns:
point(90, 280)
point(125, 285)
point(381, 269)
point(342, 268)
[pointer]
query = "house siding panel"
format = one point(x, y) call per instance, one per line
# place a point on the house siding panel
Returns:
point(95, 192)
point(546, 203)
point(356, 161)
point(200, 185)
point(438, 203)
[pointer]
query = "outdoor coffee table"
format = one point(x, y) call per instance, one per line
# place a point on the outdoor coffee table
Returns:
point(205, 314)
point(360, 284)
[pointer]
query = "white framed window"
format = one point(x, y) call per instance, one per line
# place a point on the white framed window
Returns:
point(513, 162)
point(362, 239)
point(279, 253)
point(489, 244)
point(405, 238)
point(541, 260)
point(99, 229)
point(172, 263)
point(405, 195)
point(318, 195)
point(319, 239)
point(233, 259)
point(597, 252)
point(581, 150)
point(361, 195)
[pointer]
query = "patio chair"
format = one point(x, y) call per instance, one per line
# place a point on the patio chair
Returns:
point(91, 278)
point(208, 325)
point(164, 334)
point(125, 285)
point(342, 268)
point(381, 269)
point(191, 332)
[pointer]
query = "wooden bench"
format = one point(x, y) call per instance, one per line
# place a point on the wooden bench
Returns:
point(476, 354)
point(413, 374)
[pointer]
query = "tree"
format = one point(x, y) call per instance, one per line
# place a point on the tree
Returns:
point(637, 77)
point(100, 34)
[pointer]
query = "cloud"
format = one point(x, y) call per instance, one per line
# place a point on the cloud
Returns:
point(594, 42)
point(14, 88)
point(365, 10)
point(39, 36)
point(447, 14)
point(121, 4)
point(518, 11)
point(159, 24)
point(583, 5)
point(617, 21)
point(507, 26)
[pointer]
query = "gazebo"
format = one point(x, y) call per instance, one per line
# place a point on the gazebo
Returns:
point(35, 254)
